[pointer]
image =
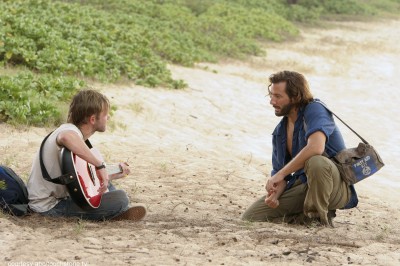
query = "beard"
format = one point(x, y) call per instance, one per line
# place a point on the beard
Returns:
point(285, 110)
point(100, 127)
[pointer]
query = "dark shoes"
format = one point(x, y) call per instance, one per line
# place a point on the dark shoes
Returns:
point(331, 215)
point(135, 213)
point(312, 218)
point(325, 220)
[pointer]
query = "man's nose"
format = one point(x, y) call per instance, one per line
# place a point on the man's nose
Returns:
point(272, 101)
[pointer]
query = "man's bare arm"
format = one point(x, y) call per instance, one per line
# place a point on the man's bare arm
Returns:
point(315, 146)
point(72, 141)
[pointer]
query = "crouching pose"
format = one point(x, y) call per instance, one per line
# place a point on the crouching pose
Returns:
point(304, 184)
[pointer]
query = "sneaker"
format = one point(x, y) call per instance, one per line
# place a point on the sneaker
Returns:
point(135, 213)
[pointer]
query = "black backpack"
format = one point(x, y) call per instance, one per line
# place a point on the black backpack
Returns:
point(13, 192)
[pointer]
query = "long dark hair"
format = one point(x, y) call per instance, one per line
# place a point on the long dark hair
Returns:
point(297, 87)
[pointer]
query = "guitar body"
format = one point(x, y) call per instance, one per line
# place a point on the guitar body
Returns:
point(84, 184)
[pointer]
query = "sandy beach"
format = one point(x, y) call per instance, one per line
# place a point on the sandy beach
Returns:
point(200, 156)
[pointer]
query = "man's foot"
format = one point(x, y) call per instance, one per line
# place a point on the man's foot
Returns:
point(135, 213)
point(324, 219)
point(331, 215)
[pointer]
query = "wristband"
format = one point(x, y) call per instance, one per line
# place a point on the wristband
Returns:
point(103, 165)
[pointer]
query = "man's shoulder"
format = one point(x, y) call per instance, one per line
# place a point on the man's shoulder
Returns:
point(315, 106)
point(67, 127)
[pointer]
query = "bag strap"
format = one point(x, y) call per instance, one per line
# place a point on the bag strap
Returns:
point(358, 135)
point(63, 179)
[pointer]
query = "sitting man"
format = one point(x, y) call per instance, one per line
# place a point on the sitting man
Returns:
point(303, 183)
point(87, 114)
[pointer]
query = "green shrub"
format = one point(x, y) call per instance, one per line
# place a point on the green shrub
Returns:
point(385, 6)
point(136, 39)
point(59, 38)
point(339, 7)
point(35, 100)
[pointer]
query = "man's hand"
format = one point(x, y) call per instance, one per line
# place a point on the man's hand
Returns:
point(103, 176)
point(125, 171)
point(273, 194)
point(273, 182)
point(272, 200)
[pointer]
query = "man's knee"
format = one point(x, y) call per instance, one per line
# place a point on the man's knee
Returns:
point(257, 212)
point(123, 198)
point(317, 164)
point(246, 216)
point(117, 198)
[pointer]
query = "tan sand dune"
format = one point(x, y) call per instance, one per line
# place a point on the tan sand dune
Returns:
point(200, 156)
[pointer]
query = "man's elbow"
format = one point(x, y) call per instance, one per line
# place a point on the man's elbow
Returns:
point(316, 143)
point(319, 150)
point(316, 149)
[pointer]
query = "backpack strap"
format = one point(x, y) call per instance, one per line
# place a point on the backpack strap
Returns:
point(324, 105)
point(87, 142)
point(62, 179)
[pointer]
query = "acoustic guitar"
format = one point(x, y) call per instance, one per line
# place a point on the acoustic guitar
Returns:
point(85, 183)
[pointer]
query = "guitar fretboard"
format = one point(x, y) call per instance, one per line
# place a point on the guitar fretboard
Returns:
point(113, 169)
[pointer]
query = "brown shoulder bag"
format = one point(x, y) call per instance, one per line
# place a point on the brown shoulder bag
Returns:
point(356, 164)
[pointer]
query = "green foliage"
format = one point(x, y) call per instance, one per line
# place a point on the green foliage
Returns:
point(185, 32)
point(280, 7)
point(110, 39)
point(136, 39)
point(313, 10)
point(339, 7)
point(59, 38)
point(35, 100)
point(388, 6)
point(236, 30)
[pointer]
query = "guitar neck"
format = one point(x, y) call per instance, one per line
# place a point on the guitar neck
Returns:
point(113, 169)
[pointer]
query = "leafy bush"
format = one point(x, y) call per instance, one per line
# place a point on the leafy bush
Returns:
point(339, 7)
point(388, 6)
point(35, 100)
point(59, 38)
point(107, 40)
point(186, 32)
point(136, 39)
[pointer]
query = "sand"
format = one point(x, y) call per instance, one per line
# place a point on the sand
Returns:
point(200, 156)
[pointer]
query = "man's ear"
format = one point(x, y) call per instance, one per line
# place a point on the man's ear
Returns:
point(92, 119)
point(296, 100)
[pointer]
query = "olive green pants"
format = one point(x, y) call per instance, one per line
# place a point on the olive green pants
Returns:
point(324, 191)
